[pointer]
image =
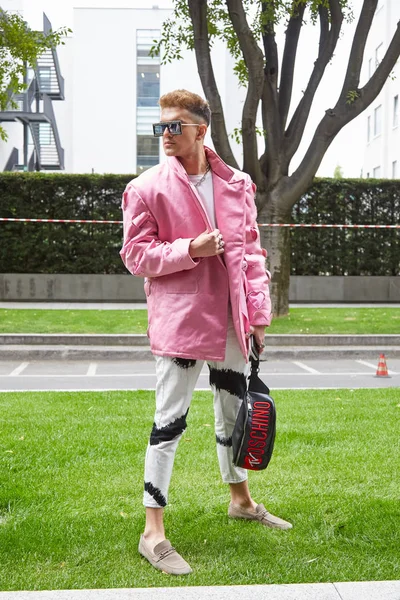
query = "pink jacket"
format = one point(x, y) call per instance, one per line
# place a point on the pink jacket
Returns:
point(188, 299)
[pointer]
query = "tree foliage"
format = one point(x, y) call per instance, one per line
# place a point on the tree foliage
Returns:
point(20, 48)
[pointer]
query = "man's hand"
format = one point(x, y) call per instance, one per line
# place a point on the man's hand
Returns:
point(259, 334)
point(207, 244)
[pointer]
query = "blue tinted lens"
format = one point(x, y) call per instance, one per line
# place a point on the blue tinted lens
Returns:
point(158, 129)
point(174, 128)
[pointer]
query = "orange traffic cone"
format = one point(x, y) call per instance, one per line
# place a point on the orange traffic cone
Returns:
point(382, 370)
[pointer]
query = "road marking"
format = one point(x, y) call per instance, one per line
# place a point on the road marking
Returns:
point(19, 369)
point(374, 367)
point(306, 368)
point(91, 370)
point(130, 375)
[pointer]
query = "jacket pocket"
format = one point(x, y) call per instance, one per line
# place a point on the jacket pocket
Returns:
point(183, 282)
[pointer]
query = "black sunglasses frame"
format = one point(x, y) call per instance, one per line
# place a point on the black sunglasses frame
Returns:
point(166, 125)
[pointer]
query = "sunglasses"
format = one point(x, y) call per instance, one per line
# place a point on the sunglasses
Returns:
point(174, 127)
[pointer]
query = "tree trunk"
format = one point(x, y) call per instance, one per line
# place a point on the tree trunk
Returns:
point(276, 240)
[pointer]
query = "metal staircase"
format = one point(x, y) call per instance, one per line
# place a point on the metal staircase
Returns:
point(34, 110)
point(48, 71)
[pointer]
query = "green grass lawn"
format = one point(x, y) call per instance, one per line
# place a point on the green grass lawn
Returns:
point(71, 472)
point(300, 320)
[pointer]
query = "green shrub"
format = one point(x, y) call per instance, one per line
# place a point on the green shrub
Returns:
point(94, 248)
point(67, 247)
point(347, 251)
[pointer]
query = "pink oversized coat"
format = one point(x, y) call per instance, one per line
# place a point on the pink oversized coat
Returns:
point(188, 299)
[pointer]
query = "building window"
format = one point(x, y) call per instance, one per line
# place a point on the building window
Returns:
point(376, 173)
point(370, 70)
point(148, 85)
point(378, 55)
point(147, 96)
point(378, 120)
point(148, 152)
point(394, 169)
point(395, 111)
point(368, 129)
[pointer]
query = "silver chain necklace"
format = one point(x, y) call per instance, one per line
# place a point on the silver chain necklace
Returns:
point(208, 167)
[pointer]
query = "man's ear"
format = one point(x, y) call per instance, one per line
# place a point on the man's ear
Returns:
point(201, 132)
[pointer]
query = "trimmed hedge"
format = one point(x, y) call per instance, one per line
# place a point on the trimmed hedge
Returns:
point(94, 248)
point(347, 251)
point(61, 248)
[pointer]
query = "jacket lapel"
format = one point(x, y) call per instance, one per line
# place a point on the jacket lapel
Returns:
point(229, 198)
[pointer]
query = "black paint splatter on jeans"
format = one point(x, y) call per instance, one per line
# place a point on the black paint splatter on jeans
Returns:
point(155, 493)
point(169, 431)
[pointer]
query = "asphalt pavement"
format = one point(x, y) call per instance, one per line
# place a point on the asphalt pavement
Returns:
point(74, 375)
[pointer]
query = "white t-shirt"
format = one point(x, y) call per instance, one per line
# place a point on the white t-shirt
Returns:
point(206, 193)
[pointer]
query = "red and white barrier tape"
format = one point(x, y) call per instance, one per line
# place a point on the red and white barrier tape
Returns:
point(312, 225)
point(329, 226)
point(59, 221)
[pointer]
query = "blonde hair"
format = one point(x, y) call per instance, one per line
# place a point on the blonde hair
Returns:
point(194, 103)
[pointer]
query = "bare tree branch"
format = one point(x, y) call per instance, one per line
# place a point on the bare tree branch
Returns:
point(352, 78)
point(198, 15)
point(344, 112)
point(270, 103)
point(270, 49)
point(253, 58)
point(298, 122)
point(372, 88)
point(288, 62)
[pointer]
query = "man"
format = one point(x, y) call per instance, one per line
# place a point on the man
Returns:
point(190, 229)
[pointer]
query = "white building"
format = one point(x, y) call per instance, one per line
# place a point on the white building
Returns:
point(112, 85)
point(382, 118)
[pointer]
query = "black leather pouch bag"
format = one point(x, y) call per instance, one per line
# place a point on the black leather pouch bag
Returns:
point(254, 432)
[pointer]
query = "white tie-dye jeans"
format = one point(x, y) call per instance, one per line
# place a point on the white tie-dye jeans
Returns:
point(176, 380)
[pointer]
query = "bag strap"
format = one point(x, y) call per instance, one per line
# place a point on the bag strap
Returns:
point(255, 365)
point(254, 382)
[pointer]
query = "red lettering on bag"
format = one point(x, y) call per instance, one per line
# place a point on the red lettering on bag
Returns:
point(262, 405)
point(258, 426)
point(251, 462)
point(258, 435)
point(261, 415)
point(256, 444)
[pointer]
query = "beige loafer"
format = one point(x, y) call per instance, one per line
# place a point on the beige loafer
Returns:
point(164, 557)
point(259, 514)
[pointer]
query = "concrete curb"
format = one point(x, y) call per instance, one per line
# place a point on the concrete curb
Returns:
point(271, 340)
point(367, 590)
point(143, 353)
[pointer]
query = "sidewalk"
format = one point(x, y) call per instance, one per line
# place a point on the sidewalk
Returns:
point(56, 346)
point(142, 305)
point(375, 590)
